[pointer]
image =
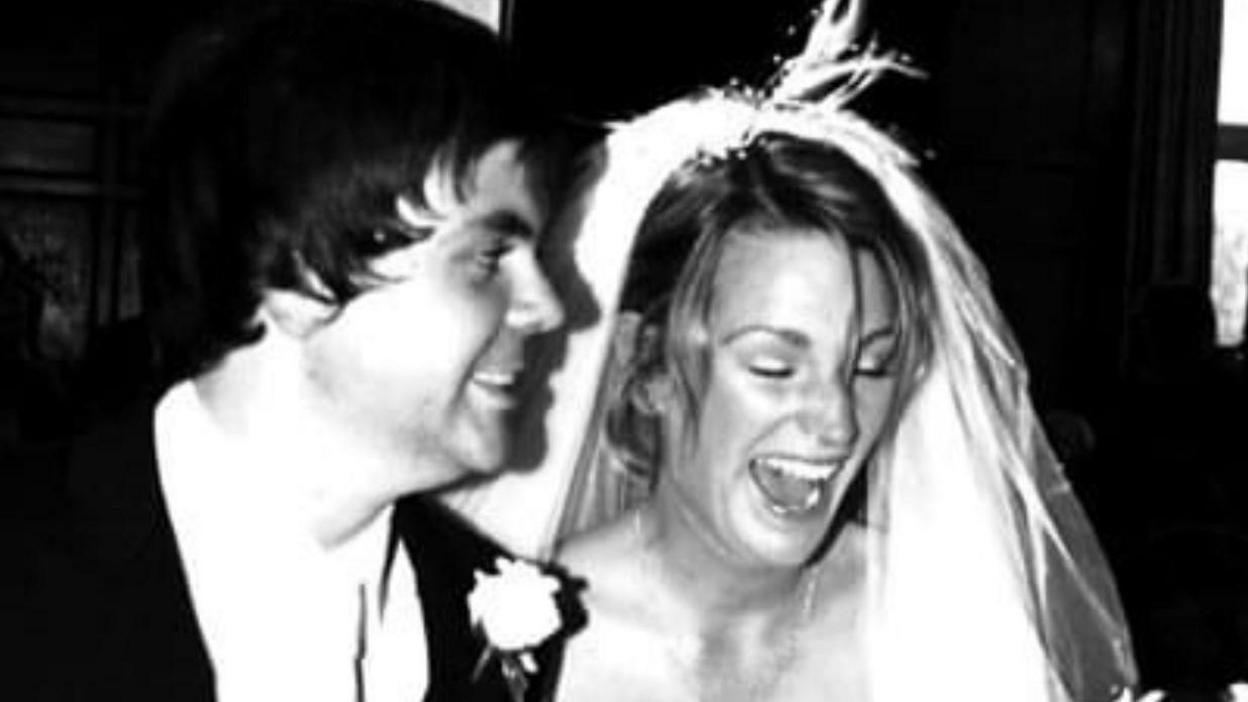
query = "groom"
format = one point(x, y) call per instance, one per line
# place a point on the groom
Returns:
point(349, 195)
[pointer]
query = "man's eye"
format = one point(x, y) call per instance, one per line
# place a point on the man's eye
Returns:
point(490, 257)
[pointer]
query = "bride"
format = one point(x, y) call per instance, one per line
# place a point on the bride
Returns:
point(753, 396)
point(811, 469)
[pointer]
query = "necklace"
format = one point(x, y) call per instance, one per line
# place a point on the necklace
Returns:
point(684, 652)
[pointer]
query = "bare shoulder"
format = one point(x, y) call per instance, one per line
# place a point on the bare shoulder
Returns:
point(609, 657)
point(606, 562)
point(600, 553)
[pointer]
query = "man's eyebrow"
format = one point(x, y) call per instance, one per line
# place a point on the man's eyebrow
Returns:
point(510, 223)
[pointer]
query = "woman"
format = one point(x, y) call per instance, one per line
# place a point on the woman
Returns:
point(847, 494)
point(850, 491)
point(852, 497)
point(756, 392)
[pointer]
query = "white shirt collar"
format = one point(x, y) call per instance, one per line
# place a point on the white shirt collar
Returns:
point(283, 617)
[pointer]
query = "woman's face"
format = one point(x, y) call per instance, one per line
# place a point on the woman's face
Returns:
point(802, 347)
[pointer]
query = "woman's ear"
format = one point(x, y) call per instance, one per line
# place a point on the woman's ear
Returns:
point(661, 391)
point(632, 348)
point(624, 339)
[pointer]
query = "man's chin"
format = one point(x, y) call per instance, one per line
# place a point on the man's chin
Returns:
point(486, 457)
point(471, 452)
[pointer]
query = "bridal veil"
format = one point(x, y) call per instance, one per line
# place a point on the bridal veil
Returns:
point(985, 579)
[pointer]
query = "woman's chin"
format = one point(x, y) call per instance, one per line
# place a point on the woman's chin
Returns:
point(787, 532)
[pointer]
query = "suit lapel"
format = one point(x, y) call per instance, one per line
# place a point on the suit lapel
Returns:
point(444, 552)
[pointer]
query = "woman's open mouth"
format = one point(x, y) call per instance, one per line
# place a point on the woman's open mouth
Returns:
point(794, 486)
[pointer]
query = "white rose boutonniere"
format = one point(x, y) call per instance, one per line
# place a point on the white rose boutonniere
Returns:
point(515, 608)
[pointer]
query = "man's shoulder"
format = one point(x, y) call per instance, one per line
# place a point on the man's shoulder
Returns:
point(102, 467)
point(99, 589)
point(432, 531)
point(445, 551)
point(92, 496)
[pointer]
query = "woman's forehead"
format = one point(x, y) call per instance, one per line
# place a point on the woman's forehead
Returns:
point(783, 272)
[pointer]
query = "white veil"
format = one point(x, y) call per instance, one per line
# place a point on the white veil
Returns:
point(985, 581)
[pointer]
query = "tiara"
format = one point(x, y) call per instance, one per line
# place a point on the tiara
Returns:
point(814, 86)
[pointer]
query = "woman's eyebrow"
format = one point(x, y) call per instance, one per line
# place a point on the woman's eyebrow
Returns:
point(790, 336)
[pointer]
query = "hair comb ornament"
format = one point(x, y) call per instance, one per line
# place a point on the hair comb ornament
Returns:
point(815, 85)
point(834, 66)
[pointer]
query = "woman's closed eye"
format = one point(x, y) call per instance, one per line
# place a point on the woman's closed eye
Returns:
point(771, 368)
point(878, 358)
point(763, 352)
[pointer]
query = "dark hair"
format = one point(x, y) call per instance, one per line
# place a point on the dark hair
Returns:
point(282, 138)
point(778, 183)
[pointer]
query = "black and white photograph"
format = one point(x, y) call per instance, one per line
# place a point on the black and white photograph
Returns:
point(567, 351)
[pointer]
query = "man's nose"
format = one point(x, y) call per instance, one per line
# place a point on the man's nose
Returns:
point(535, 308)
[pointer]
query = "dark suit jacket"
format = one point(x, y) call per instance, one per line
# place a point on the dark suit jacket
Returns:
point(101, 604)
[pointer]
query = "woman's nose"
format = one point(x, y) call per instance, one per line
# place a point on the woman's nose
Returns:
point(828, 414)
point(535, 308)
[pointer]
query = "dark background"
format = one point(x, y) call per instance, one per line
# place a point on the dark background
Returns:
point(1034, 123)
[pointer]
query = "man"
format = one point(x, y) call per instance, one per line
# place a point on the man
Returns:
point(349, 195)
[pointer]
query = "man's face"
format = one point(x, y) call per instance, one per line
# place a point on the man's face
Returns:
point(427, 363)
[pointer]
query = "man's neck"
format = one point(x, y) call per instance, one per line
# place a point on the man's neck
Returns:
point(260, 412)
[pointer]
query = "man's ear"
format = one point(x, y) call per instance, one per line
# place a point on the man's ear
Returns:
point(293, 313)
point(298, 313)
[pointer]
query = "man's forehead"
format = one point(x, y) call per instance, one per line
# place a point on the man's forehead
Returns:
point(499, 190)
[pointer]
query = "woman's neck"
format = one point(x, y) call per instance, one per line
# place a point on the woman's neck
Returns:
point(728, 631)
point(710, 586)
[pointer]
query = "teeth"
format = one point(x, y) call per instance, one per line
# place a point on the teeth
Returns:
point(799, 468)
point(496, 378)
point(793, 487)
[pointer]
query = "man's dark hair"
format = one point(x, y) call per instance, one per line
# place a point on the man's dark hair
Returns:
point(282, 138)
